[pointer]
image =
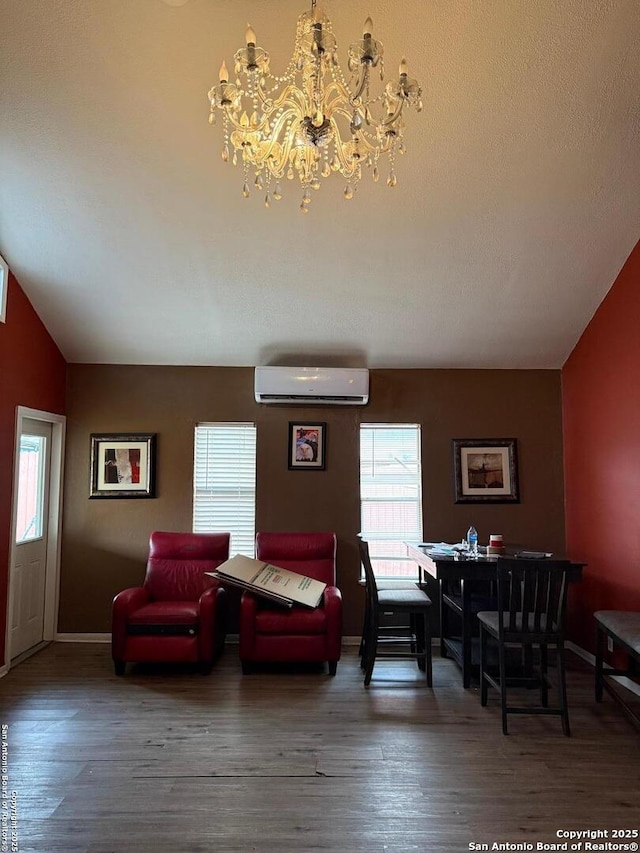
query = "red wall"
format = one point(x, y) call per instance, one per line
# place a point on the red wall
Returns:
point(601, 413)
point(33, 374)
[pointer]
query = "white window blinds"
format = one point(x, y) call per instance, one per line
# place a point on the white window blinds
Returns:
point(391, 495)
point(224, 491)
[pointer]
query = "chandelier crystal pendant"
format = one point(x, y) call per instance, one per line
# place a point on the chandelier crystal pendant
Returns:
point(311, 121)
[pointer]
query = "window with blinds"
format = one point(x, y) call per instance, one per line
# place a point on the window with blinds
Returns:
point(391, 496)
point(224, 483)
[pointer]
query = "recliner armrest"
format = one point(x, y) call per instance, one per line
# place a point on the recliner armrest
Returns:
point(129, 600)
point(248, 613)
point(124, 603)
point(332, 598)
point(212, 620)
point(333, 609)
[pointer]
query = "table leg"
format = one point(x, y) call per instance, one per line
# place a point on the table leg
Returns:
point(443, 620)
point(467, 633)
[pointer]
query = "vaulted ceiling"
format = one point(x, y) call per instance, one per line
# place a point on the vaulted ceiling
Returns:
point(518, 199)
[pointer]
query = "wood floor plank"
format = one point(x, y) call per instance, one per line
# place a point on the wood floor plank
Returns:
point(298, 762)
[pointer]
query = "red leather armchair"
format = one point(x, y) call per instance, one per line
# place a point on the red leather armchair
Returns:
point(271, 633)
point(178, 614)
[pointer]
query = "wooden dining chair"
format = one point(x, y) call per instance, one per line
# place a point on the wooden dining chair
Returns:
point(412, 604)
point(531, 614)
point(383, 584)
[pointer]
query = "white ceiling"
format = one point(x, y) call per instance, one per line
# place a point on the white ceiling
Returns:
point(517, 203)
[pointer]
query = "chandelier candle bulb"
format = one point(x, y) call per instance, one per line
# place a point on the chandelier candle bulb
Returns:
point(312, 120)
point(251, 48)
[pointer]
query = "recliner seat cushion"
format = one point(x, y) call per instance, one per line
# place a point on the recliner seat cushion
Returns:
point(166, 613)
point(294, 621)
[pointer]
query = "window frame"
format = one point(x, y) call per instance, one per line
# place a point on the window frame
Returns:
point(204, 500)
point(393, 535)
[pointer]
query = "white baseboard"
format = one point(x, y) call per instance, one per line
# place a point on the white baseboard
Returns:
point(3, 670)
point(82, 638)
point(622, 680)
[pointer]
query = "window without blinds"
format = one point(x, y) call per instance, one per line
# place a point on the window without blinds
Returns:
point(224, 490)
point(391, 496)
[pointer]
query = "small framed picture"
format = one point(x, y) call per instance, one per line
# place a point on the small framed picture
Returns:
point(123, 465)
point(485, 470)
point(307, 444)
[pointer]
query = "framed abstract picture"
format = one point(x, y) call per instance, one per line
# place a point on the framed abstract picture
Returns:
point(307, 443)
point(485, 470)
point(123, 465)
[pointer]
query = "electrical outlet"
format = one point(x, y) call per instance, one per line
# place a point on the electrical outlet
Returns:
point(609, 644)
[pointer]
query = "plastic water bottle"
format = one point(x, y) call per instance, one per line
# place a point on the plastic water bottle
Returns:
point(472, 539)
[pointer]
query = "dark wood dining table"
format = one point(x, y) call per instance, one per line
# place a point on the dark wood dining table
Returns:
point(462, 586)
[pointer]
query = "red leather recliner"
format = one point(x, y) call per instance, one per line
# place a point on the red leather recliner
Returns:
point(178, 614)
point(271, 633)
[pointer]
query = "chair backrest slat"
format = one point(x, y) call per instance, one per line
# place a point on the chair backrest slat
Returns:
point(532, 595)
point(370, 578)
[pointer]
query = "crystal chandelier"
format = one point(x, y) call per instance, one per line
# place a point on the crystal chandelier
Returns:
point(311, 121)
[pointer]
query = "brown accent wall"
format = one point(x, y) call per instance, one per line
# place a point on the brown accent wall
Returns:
point(105, 541)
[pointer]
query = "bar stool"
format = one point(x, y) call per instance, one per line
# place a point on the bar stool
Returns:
point(412, 603)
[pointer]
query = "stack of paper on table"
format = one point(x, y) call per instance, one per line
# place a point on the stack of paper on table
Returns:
point(441, 549)
point(271, 582)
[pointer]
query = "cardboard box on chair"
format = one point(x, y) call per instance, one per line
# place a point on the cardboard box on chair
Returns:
point(280, 585)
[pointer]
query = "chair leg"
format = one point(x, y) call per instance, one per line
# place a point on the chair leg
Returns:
point(428, 650)
point(544, 687)
point(363, 638)
point(333, 667)
point(371, 646)
point(483, 664)
point(362, 651)
point(503, 685)
point(119, 666)
point(418, 630)
point(562, 686)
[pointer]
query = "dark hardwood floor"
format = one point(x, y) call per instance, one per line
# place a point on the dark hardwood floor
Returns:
point(289, 762)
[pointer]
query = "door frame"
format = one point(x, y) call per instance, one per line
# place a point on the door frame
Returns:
point(54, 522)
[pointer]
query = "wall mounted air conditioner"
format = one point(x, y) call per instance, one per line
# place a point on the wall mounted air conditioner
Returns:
point(322, 386)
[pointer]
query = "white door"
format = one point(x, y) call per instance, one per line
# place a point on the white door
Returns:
point(31, 536)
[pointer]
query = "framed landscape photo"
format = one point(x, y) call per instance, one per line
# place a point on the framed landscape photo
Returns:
point(485, 470)
point(123, 465)
point(307, 443)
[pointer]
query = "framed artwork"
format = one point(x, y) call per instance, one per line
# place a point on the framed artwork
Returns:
point(485, 470)
point(123, 465)
point(307, 444)
point(4, 286)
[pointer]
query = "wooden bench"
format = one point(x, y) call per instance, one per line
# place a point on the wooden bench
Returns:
point(623, 627)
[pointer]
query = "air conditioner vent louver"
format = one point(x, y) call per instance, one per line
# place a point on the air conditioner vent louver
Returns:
point(329, 386)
